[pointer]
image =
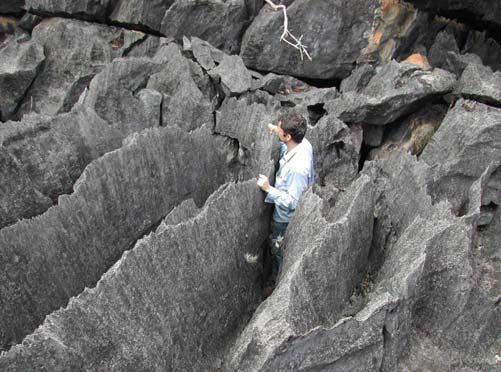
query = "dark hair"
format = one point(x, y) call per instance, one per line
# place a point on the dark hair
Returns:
point(293, 124)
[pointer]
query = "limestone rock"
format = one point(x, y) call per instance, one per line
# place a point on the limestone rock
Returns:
point(144, 14)
point(462, 148)
point(18, 197)
point(485, 47)
point(271, 340)
point(411, 134)
point(358, 79)
point(118, 198)
point(337, 151)
point(116, 94)
point(235, 78)
point(219, 22)
point(83, 9)
point(205, 54)
point(397, 89)
point(244, 119)
point(479, 83)
point(75, 52)
point(184, 105)
point(334, 33)
point(158, 309)
point(444, 44)
point(19, 64)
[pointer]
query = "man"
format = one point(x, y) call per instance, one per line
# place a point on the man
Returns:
point(295, 174)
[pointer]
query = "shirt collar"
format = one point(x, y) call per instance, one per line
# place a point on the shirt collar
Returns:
point(289, 154)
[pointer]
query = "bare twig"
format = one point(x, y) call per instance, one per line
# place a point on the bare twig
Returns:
point(295, 43)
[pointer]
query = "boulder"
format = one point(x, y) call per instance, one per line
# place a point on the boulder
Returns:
point(75, 52)
point(333, 31)
point(245, 120)
point(20, 63)
point(456, 63)
point(337, 151)
point(184, 105)
point(205, 54)
point(395, 90)
point(324, 256)
point(219, 22)
point(444, 44)
point(358, 79)
point(485, 47)
point(118, 96)
point(479, 83)
point(234, 76)
point(462, 148)
point(95, 10)
point(143, 14)
point(173, 302)
point(118, 198)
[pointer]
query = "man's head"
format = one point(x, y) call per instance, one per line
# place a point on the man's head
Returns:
point(292, 127)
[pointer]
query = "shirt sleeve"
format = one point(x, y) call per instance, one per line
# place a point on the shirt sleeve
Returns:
point(289, 199)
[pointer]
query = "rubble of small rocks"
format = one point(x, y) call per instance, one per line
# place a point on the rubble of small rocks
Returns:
point(133, 235)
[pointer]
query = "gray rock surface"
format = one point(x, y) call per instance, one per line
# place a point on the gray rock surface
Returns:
point(165, 312)
point(334, 33)
point(269, 341)
point(337, 151)
point(118, 198)
point(219, 22)
point(12, 7)
point(205, 54)
point(116, 94)
point(51, 153)
point(244, 119)
point(358, 79)
point(396, 89)
point(485, 47)
point(184, 105)
point(234, 76)
point(479, 83)
point(19, 64)
point(75, 52)
point(411, 134)
point(146, 14)
point(83, 9)
point(462, 148)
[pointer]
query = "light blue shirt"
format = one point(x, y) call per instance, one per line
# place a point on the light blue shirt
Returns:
point(295, 174)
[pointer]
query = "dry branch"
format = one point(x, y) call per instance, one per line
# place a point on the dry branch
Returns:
point(296, 42)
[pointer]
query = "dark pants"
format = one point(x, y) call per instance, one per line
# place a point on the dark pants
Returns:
point(276, 245)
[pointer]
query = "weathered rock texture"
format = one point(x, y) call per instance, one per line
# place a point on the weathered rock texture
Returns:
point(322, 247)
point(140, 303)
point(334, 33)
point(464, 145)
point(46, 155)
point(479, 83)
point(118, 198)
point(397, 89)
point(75, 51)
point(245, 119)
point(19, 64)
point(84, 9)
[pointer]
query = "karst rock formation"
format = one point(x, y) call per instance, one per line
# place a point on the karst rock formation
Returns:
point(133, 236)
